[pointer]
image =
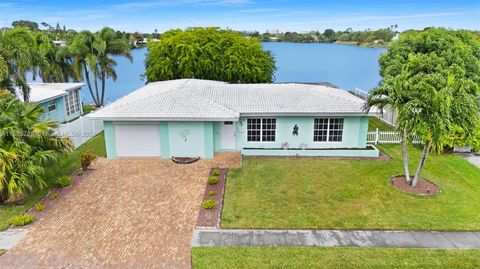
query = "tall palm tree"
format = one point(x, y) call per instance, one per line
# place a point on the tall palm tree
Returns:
point(83, 52)
point(92, 53)
point(16, 52)
point(52, 63)
point(26, 145)
point(110, 45)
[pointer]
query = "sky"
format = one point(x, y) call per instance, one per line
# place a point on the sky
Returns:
point(300, 15)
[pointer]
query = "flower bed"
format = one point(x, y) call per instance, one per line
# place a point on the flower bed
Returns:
point(209, 217)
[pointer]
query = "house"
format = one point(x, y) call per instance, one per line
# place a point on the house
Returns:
point(60, 43)
point(190, 118)
point(60, 101)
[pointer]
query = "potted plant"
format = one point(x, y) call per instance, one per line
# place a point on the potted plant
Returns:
point(285, 145)
point(303, 146)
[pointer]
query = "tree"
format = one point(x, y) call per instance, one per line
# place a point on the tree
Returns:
point(33, 26)
point(432, 79)
point(329, 34)
point(209, 53)
point(26, 145)
point(16, 51)
point(52, 63)
point(92, 59)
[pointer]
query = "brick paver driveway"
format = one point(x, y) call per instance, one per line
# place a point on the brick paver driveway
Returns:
point(136, 213)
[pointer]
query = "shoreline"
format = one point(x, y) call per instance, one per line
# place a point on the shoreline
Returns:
point(361, 45)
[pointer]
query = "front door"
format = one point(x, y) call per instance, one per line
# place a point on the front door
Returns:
point(227, 140)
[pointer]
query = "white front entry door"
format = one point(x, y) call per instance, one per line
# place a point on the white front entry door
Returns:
point(227, 135)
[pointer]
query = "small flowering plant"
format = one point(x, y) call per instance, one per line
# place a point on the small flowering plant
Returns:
point(285, 145)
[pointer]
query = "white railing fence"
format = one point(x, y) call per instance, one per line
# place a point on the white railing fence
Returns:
point(80, 130)
point(388, 137)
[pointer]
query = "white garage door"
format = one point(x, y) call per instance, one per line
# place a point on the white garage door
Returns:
point(137, 140)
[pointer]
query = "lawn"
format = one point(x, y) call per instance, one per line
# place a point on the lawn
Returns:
point(316, 257)
point(64, 166)
point(374, 123)
point(350, 194)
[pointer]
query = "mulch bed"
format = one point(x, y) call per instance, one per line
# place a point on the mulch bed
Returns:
point(210, 218)
point(424, 187)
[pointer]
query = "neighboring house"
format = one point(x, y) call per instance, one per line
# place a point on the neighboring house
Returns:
point(60, 101)
point(60, 43)
point(190, 118)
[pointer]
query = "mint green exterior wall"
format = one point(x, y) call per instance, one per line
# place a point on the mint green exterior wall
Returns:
point(187, 139)
point(354, 134)
point(109, 133)
point(164, 138)
point(60, 112)
point(203, 138)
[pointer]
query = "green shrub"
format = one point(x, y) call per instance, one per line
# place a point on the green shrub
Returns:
point(53, 195)
point(64, 181)
point(21, 220)
point(209, 204)
point(40, 207)
point(87, 159)
point(216, 172)
point(211, 193)
point(212, 180)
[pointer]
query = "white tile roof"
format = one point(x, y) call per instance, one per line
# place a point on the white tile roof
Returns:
point(41, 92)
point(193, 99)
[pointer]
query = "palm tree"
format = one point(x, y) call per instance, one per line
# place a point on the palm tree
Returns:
point(52, 63)
point(26, 145)
point(390, 95)
point(92, 53)
point(16, 52)
point(109, 45)
point(432, 80)
point(83, 52)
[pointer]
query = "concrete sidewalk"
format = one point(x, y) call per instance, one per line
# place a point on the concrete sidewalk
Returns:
point(10, 237)
point(336, 238)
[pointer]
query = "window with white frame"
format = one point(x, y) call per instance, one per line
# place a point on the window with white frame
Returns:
point(261, 130)
point(72, 102)
point(328, 130)
point(52, 106)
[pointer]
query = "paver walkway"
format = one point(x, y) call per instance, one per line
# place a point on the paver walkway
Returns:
point(334, 238)
point(137, 213)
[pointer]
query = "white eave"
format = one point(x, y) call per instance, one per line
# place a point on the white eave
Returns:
point(43, 92)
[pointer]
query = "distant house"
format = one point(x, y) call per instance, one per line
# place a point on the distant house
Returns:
point(197, 118)
point(60, 101)
point(60, 43)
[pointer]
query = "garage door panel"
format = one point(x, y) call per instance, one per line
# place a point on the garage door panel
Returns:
point(137, 140)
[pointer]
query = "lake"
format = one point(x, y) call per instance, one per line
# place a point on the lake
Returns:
point(346, 66)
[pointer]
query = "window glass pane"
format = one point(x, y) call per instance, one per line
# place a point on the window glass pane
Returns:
point(51, 106)
point(320, 129)
point(336, 130)
point(253, 130)
point(268, 130)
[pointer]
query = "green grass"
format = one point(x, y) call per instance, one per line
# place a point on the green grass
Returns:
point(374, 123)
point(316, 257)
point(64, 166)
point(350, 194)
point(2, 251)
point(87, 109)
